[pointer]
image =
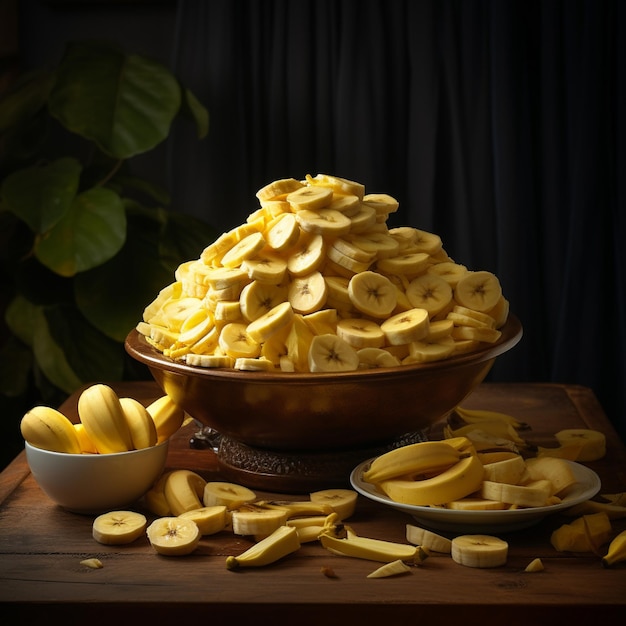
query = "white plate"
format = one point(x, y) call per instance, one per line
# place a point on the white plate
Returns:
point(587, 486)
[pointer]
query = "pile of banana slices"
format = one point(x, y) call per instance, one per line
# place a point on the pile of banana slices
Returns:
point(316, 281)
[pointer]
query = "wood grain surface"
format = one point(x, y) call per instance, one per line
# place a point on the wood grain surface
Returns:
point(41, 547)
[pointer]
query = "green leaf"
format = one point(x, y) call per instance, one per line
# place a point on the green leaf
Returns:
point(50, 357)
point(42, 195)
point(21, 317)
point(113, 296)
point(89, 234)
point(25, 98)
point(198, 112)
point(88, 353)
point(124, 103)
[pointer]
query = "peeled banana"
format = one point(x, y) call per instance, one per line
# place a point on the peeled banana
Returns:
point(372, 549)
point(616, 551)
point(280, 543)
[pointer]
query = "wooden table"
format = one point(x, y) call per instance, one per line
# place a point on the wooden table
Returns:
point(41, 546)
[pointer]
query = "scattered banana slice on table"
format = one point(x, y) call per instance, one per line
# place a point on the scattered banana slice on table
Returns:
point(483, 551)
point(118, 527)
point(315, 245)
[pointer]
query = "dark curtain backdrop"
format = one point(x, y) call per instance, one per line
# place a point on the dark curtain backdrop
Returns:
point(497, 124)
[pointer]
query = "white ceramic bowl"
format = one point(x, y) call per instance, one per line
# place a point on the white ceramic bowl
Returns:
point(96, 483)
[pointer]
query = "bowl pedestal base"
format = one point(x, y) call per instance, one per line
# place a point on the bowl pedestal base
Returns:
point(291, 472)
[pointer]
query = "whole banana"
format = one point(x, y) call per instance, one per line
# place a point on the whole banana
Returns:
point(460, 480)
point(101, 413)
point(47, 428)
point(418, 458)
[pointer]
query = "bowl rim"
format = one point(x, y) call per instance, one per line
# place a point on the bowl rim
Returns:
point(138, 348)
point(91, 455)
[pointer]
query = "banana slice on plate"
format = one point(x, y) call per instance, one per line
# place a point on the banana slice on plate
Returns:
point(479, 551)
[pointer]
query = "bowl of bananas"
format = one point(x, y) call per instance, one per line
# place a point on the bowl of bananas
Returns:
point(314, 334)
point(109, 458)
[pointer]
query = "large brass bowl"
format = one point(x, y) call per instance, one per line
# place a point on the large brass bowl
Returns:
point(292, 432)
point(322, 411)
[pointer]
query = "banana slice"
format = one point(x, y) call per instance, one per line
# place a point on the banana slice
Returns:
point(177, 310)
point(341, 186)
point(260, 364)
point(325, 222)
point(347, 204)
point(426, 242)
point(361, 333)
point(347, 262)
point(591, 443)
point(118, 527)
point(362, 220)
point(254, 520)
point(209, 519)
point(450, 271)
point(479, 290)
point(266, 268)
point(330, 353)
point(372, 294)
point(430, 292)
point(278, 189)
point(377, 357)
point(406, 327)
point(479, 551)
point(235, 341)
point(428, 539)
point(262, 328)
point(298, 343)
point(404, 264)
point(142, 428)
point(383, 203)
point(342, 501)
point(310, 198)
point(247, 248)
point(257, 298)
point(508, 470)
point(349, 249)
point(528, 495)
point(471, 333)
point(173, 536)
point(308, 255)
point(322, 322)
point(381, 244)
point(307, 294)
point(184, 490)
point(283, 232)
point(230, 495)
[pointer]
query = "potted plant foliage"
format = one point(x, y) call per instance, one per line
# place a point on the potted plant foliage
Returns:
point(85, 244)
